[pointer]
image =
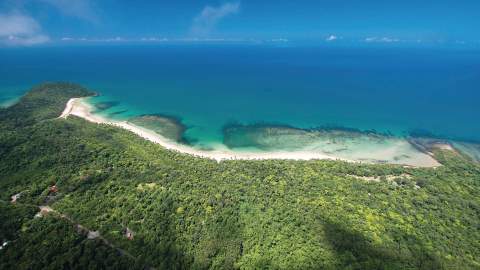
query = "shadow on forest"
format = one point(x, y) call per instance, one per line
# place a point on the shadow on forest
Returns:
point(217, 243)
point(81, 172)
point(161, 248)
point(355, 251)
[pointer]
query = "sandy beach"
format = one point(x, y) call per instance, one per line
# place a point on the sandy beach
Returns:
point(79, 107)
point(9, 102)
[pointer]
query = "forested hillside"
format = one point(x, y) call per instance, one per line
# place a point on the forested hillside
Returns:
point(153, 208)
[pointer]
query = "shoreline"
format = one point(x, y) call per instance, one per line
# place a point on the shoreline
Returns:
point(9, 102)
point(78, 107)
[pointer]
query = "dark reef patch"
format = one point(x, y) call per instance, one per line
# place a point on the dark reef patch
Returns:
point(426, 144)
point(268, 136)
point(422, 133)
point(105, 105)
point(112, 114)
point(170, 127)
point(427, 141)
point(332, 139)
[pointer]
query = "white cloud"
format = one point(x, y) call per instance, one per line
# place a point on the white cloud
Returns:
point(279, 40)
point(27, 41)
point(17, 24)
point(114, 39)
point(153, 39)
point(82, 9)
point(331, 38)
point(18, 29)
point(208, 19)
point(117, 39)
point(382, 39)
point(386, 39)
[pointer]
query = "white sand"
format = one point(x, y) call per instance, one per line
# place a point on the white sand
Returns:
point(8, 103)
point(77, 107)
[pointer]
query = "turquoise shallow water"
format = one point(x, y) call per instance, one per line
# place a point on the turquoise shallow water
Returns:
point(389, 90)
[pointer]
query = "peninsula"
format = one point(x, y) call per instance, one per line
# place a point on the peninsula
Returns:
point(75, 194)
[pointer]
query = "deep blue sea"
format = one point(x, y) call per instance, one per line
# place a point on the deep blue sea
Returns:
point(393, 90)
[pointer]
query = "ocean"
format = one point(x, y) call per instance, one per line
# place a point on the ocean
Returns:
point(211, 88)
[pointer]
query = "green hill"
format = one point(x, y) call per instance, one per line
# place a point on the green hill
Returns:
point(167, 210)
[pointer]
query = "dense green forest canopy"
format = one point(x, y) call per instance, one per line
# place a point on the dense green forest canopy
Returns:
point(154, 208)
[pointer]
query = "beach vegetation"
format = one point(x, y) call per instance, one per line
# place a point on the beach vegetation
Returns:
point(184, 212)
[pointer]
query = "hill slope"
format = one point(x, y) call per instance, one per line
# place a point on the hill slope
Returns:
point(173, 211)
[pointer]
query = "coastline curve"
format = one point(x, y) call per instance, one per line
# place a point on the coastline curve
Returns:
point(80, 108)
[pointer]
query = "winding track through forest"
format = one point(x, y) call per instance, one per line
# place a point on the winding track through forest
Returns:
point(83, 230)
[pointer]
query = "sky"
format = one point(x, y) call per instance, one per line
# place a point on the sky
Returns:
point(38, 22)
